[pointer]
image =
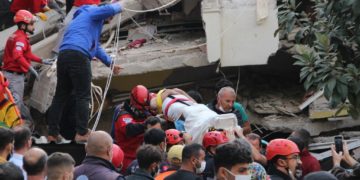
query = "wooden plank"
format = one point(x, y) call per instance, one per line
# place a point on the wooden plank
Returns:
point(311, 99)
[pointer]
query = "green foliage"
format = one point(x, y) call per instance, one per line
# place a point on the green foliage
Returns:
point(327, 39)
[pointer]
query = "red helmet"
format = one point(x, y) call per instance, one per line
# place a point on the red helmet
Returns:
point(24, 16)
point(214, 138)
point(282, 147)
point(118, 156)
point(140, 97)
point(173, 136)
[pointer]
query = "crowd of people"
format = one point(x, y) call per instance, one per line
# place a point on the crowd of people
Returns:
point(171, 155)
point(168, 134)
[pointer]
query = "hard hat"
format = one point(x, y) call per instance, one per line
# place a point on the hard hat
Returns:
point(118, 156)
point(175, 152)
point(24, 16)
point(282, 147)
point(140, 97)
point(173, 136)
point(214, 138)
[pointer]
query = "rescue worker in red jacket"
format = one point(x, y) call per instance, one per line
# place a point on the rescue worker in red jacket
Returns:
point(34, 6)
point(128, 123)
point(18, 57)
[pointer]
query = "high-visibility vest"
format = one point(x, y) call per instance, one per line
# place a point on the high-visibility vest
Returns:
point(9, 112)
point(163, 175)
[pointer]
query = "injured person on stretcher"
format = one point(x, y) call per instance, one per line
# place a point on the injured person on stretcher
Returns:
point(176, 105)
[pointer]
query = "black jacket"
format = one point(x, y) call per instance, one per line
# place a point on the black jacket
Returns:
point(140, 174)
point(97, 168)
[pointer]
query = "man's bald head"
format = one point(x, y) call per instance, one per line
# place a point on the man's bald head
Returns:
point(34, 161)
point(99, 144)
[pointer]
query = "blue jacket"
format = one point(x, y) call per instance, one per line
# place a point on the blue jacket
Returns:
point(83, 32)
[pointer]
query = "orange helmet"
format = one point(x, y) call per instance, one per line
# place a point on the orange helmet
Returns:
point(140, 97)
point(214, 138)
point(173, 136)
point(118, 156)
point(24, 16)
point(282, 147)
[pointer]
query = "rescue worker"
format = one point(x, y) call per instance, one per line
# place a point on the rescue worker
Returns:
point(283, 159)
point(211, 141)
point(128, 123)
point(118, 157)
point(18, 57)
point(80, 45)
point(174, 157)
point(37, 7)
point(173, 137)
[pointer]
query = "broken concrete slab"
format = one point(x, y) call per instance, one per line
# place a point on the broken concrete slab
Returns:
point(275, 103)
point(327, 144)
point(326, 154)
point(289, 124)
point(175, 51)
point(144, 32)
point(321, 109)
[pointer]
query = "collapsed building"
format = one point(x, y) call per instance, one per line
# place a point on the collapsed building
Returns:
point(191, 44)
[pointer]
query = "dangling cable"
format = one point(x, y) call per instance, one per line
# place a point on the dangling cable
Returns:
point(107, 86)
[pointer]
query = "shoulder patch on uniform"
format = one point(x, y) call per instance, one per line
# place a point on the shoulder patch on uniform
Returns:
point(127, 120)
point(20, 44)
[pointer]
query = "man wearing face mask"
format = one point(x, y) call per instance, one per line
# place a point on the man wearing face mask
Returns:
point(128, 126)
point(97, 163)
point(283, 159)
point(193, 163)
point(149, 158)
point(6, 143)
point(224, 104)
point(232, 161)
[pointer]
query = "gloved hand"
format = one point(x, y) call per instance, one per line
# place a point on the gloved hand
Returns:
point(42, 16)
point(48, 61)
point(33, 71)
point(46, 8)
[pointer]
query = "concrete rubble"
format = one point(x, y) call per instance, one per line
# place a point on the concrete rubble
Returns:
point(173, 51)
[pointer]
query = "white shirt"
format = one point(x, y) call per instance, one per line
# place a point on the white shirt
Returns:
point(176, 109)
point(17, 159)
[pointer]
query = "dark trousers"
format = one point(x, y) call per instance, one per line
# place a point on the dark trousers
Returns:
point(73, 75)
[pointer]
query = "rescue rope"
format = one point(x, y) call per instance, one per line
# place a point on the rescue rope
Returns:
point(107, 86)
point(96, 94)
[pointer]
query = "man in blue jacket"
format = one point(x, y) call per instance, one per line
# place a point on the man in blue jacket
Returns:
point(80, 45)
